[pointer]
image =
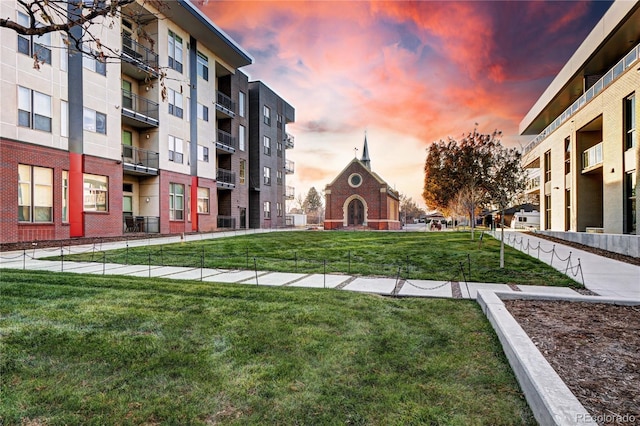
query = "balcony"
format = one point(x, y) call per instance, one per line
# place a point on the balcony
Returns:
point(289, 167)
point(225, 107)
point(592, 158)
point(592, 92)
point(225, 143)
point(226, 179)
point(533, 184)
point(138, 161)
point(141, 224)
point(288, 141)
point(138, 111)
point(139, 61)
point(289, 193)
point(227, 222)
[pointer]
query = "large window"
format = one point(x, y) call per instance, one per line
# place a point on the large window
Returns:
point(96, 193)
point(241, 137)
point(91, 62)
point(631, 136)
point(547, 212)
point(567, 155)
point(266, 142)
point(203, 66)
point(38, 47)
point(175, 51)
point(266, 171)
point(176, 201)
point(175, 149)
point(34, 109)
point(267, 209)
point(175, 103)
point(203, 153)
point(266, 112)
point(65, 196)
point(94, 121)
point(547, 166)
point(243, 171)
point(241, 103)
point(279, 209)
point(203, 112)
point(279, 177)
point(203, 200)
point(35, 194)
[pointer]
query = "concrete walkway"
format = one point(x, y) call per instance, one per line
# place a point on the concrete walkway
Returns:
point(604, 276)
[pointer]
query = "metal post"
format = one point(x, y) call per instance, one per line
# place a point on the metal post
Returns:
point(568, 263)
point(325, 273)
point(149, 257)
point(24, 259)
point(255, 268)
point(553, 252)
point(538, 250)
point(126, 257)
point(61, 259)
point(581, 274)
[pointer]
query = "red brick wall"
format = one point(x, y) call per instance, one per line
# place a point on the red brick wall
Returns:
point(13, 153)
point(208, 222)
point(105, 224)
point(174, 226)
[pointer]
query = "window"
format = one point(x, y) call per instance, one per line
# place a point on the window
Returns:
point(266, 142)
point(65, 196)
point(34, 109)
point(567, 156)
point(64, 119)
point(175, 149)
point(279, 146)
point(567, 203)
point(241, 137)
point(35, 194)
point(203, 66)
point(175, 103)
point(203, 112)
point(267, 175)
point(279, 209)
point(547, 166)
point(203, 200)
point(279, 121)
point(266, 112)
point(630, 224)
point(547, 212)
point(37, 47)
point(127, 95)
point(241, 104)
point(94, 121)
point(279, 177)
point(176, 201)
point(243, 171)
point(91, 61)
point(175, 51)
point(96, 191)
point(267, 209)
point(203, 153)
point(631, 136)
point(64, 53)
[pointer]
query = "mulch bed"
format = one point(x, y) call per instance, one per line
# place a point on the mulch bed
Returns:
point(594, 347)
point(611, 255)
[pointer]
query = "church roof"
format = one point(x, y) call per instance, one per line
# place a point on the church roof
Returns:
point(365, 154)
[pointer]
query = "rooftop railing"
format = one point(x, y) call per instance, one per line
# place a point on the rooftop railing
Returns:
point(591, 93)
point(134, 52)
point(592, 157)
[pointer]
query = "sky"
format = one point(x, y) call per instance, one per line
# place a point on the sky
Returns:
point(405, 73)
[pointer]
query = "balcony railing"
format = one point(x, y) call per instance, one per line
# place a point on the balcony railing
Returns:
point(533, 183)
point(141, 110)
point(143, 224)
point(226, 222)
point(139, 55)
point(592, 157)
point(288, 141)
point(225, 142)
point(289, 193)
point(289, 167)
point(140, 161)
point(226, 178)
point(225, 104)
point(593, 91)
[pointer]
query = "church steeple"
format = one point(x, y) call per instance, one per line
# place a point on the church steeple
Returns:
point(365, 154)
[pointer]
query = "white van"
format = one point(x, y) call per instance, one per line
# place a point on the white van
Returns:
point(526, 220)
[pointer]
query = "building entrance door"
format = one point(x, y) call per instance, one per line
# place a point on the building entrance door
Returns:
point(243, 218)
point(355, 213)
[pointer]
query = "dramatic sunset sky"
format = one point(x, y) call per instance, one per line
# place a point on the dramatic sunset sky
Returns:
point(407, 73)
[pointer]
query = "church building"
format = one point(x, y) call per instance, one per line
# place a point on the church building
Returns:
point(360, 199)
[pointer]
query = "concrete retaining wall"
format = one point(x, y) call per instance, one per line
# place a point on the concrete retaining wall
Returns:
point(623, 244)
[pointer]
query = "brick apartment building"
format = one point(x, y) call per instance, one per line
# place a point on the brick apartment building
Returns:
point(358, 197)
point(584, 160)
point(156, 142)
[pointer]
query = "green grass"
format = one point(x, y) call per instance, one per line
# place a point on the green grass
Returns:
point(113, 350)
point(415, 255)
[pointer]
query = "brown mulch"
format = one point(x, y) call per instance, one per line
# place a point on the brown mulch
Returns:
point(611, 255)
point(594, 348)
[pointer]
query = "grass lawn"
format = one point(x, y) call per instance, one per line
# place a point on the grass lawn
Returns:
point(415, 255)
point(112, 350)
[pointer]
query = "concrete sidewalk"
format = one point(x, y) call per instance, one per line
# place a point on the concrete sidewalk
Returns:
point(602, 275)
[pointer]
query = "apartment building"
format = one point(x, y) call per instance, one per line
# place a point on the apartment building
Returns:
point(268, 142)
point(155, 141)
point(584, 158)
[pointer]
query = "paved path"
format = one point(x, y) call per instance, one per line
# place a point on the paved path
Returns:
point(604, 276)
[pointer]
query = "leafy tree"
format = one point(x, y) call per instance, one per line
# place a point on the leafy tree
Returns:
point(409, 209)
point(312, 204)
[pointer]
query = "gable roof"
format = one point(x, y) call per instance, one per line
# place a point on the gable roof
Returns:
point(365, 169)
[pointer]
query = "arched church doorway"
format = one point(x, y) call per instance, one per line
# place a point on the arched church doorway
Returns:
point(355, 213)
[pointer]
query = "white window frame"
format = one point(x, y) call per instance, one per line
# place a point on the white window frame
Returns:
point(202, 64)
point(266, 112)
point(266, 173)
point(37, 204)
point(39, 46)
point(175, 52)
point(176, 153)
point(96, 193)
point(37, 107)
point(266, 143)
point(203, 200)
point(242, 135)
point(203, 112)
point(176, 103)
point(241, 103)
point(203, 153)
point(243, 172)
point(176, 213)
point(90, 120)
point(266, 206)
